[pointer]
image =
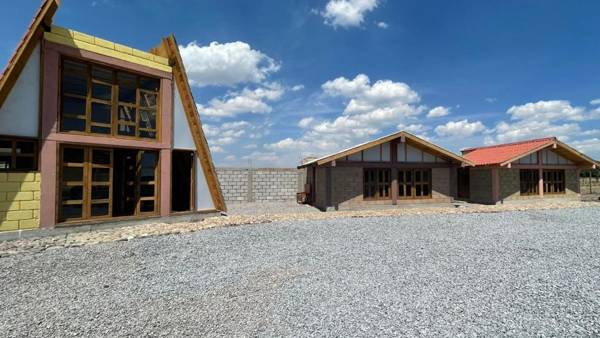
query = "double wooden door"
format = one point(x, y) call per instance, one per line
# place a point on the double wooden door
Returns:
point(414, 183)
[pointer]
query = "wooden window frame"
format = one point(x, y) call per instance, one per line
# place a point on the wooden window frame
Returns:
point(411, 185)
point(529, 182)
point(554, 181)
point(378, 185)
point(15, 156)
point(114, 103)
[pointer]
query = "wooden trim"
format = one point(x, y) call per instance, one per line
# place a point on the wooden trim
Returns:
point(40, 23)
point(394, 165)
point(169, 48)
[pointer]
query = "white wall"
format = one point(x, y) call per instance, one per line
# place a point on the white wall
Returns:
point(203, 198)
point(19, 115)
point(182, 136)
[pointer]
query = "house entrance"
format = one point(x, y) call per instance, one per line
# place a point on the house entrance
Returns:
point(182, 176)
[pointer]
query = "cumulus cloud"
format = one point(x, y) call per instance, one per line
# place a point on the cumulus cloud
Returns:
point(226, 64)
point(253, 101)
point(522, 130)
point(297, 88)
point(595, 102)
point(462, 128)
point(555, 109)
point(347, 13)
point(382, 25)
point(438, 112)
point(305, 122)
point(413, 128)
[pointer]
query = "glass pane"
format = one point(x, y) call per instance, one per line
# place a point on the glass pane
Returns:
point(126, 130)
point(72, 174)
point(409, 176)
point(127, 87)
point(5, 148)
point(101, 113)
point(426, 190)
point(425, 176)
point(418, 176)
point(401, 176)
point(69, 124)
point(74, 79)
point(149, 84)
point(100, 209)
point(147, 190)
point(146, 206)
point(73, 155)
point(24, 163)
point(73, 106)
point(74, 193)
point(100, 130)
point(100, 174)
point(148, 119)
point(24, 148)
point(148, 100)
point(127, 113)
point(102, 74)
point(101, 157)
point(148, 134)
point(149, 159)
point(100, 192)
point(72, 211)
point(101, 92)
point(5, 162)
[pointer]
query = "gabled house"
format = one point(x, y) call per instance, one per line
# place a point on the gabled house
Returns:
point(91, 130)
point(397, 169)
point(534, 169)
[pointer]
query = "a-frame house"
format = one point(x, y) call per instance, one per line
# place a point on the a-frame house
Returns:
point(94, 131)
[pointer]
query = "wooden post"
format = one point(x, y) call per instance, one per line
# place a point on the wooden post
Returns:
point(393, 159)
point(495, 185)
point(541, 182)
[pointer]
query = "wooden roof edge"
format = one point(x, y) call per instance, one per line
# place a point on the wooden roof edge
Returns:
point(578, 153)
point(170, 47)
point(536, 149)
point(384, 139)
point(41, 22)
point(552, 142)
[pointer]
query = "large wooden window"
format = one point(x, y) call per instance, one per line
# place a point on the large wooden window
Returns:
point(18, 154)
point(414, 183)
point(100, 100)
point(529, 181)
point(554, 181)
point(377, 184)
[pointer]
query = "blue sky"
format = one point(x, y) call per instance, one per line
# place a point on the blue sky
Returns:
point(276, 81)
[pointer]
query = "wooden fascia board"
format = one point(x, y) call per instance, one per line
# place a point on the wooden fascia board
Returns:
point(16, 63)
point(516, 158)
point(189, 104)
point(359, 148)
point(438, 149)
point(577, 153)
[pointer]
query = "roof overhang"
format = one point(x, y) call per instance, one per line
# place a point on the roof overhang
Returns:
point(562, 149)
point(403, 135)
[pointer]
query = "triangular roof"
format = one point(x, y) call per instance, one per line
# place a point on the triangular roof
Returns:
point(503, 154)
point(169, 49)
point(401, 134)
point(40, 23)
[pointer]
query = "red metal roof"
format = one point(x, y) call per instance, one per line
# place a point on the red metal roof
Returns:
point(501, 153)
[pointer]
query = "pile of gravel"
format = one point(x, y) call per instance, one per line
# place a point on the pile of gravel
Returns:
point(513, 273)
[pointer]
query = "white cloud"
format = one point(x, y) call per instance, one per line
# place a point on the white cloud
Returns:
point(490, 99)
point(462, 128)
point(230, 158)
point(547, 110)
point(217, 149)
point(438, 112)
point(297, 88)
point(522, 130)
point(305, 122)
point(413, 128)
point(347, 13)
point(382, 25)
point(226, 64)
point(595, 102)
point(590, 147)
point(245, 101)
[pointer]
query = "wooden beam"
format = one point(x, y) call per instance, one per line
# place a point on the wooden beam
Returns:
point(191, 112)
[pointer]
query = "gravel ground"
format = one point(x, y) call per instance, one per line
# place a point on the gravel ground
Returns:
point(529, 273)
point(260, 208)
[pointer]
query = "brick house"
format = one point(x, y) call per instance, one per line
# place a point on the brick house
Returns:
point(534, 169)
point(393, 170)
point(91, 130)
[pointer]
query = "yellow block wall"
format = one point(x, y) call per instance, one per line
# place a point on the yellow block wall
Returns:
point(19, 201)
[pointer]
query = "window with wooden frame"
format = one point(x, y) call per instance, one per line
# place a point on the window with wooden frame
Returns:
point(414, 183)
point(100, 100)
point(529, 179)
point(376, 184)
point(18, 154)
point(554, 181)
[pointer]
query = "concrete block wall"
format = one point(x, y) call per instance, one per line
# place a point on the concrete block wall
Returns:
point(481, 185)
point(441, 182)
point(260, 184)
point(347, 186)
point(19, 201)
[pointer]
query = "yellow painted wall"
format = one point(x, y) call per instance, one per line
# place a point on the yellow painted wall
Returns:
point(19, 201)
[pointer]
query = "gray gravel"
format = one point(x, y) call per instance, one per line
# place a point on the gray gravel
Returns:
point(260, 208)
point(518, 274)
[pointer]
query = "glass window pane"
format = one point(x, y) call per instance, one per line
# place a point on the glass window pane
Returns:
point(69, 124)
point(418, 190)
point(6, 148)
point(72, 193)
point(24, 148)
point(72, 211)
point(425, 176)
point(101, 92)
point(73, 155)
point(100, 130)
point(5, 162)
point(74, 80)
point(149, 159)
point(418, 176)
point(148, 134)
point(100, 174)
point(426, 191)
point(25, 163)
point(148, 119)
point(126, 130)
point(146, 190)
point(127, 87)
point(102, 74)
point(101, 157)
point(100, 209)
point(72, 174)
point(149, 84)
point(73, 106)
point(101, 113)
point(127, 113)
point(146, 206)
point(100, 192)
point(148, 99)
